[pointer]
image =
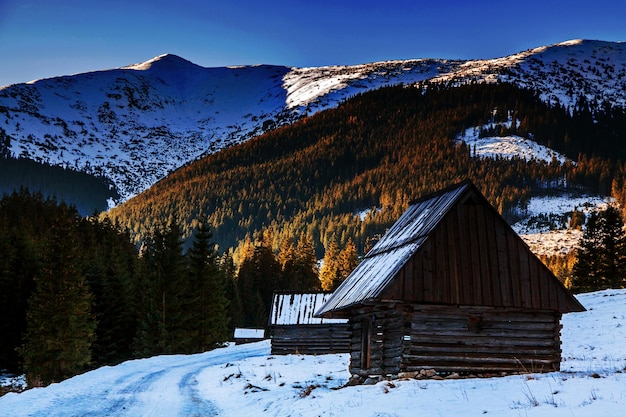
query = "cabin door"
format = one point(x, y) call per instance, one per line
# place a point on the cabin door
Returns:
point(366, 342)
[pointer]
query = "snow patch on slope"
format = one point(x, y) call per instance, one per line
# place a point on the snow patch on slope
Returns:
point(508, 147)
point(545, 227)
point(543, 212)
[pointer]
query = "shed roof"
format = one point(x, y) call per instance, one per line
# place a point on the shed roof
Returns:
point(289, 308)
point(406, 238)
point(245, 333)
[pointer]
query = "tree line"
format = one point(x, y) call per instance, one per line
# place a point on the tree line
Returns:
point(88, 193)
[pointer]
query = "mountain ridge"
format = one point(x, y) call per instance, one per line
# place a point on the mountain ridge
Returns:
point(135, 124)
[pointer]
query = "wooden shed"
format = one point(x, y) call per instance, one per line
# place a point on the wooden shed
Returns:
point(452, 287)
point(295, 329)
point(247, 335)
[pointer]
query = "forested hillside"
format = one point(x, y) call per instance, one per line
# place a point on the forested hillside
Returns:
point(349, 172)
point(88, 193)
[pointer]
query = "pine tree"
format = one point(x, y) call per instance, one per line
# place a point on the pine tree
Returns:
point(330, 272)
point(348, 260)
point(60, 328)
point(162, 291)
point(235, 309)
point(207, 322)
point(601, 258)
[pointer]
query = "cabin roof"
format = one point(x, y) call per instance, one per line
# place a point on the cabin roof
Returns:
point(290, 308)
point(381, 265)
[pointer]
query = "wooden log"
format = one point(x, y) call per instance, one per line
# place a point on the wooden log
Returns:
point(416, 359)
point(485, 350)
point(479, 340)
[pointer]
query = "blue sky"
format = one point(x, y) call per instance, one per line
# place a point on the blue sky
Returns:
point(45, 38)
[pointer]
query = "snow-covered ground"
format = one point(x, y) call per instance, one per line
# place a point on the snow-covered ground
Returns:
point(538, 234)
point(246, 380)
point(508, 147)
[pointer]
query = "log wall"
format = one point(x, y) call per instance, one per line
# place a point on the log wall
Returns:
point(455, 339)
point(377, 342)
point(310, 339)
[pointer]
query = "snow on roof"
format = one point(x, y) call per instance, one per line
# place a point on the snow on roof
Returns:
point(405, 237)
point(241, 333)
point(294, 309)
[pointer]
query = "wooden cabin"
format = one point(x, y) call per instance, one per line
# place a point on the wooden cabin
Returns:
point(295, 329)
point(451, 287)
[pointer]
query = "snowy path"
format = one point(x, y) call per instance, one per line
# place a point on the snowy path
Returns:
point(159, 386)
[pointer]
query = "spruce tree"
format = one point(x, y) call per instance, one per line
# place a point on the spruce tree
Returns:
point(10, 336)
point(306, 270)
point(110, 268)
point(613, 261)
point(330, 272)
point(60, 326)
point(253, 311)
point(287, 258)
point(163, 304)
point(235, 309)
point(601, 255)
point(206, 324)
point(267, 271)
point(348, 260)
point(259, 276)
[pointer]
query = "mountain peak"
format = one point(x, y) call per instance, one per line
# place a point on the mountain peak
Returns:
point(164, 61)
point(166, 111)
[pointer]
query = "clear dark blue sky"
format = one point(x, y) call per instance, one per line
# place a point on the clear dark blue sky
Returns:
point(44, 38)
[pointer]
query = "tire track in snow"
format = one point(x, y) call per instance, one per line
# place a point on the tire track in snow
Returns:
point(160, 386)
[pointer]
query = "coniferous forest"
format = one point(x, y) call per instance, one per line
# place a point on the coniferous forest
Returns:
point(176, 268)
point(76, 294)
point(87, 192)
point(374, 154)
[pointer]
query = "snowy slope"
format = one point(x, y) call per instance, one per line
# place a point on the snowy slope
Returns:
point(545, 224)
point(246, 381)
point(136, 124)
point(560, 72)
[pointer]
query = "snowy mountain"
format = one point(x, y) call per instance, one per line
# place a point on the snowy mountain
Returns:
point(245, 380)
point(135, 124)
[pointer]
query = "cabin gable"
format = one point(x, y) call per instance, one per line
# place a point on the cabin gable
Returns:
point(473, 257)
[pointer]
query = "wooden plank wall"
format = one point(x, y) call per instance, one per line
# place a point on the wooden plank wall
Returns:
point(448, 339)
point(310, 339)
point(473, 258)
